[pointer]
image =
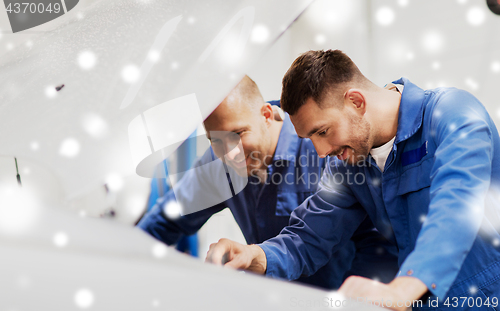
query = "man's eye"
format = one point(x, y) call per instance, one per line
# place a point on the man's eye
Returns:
point(322, 133)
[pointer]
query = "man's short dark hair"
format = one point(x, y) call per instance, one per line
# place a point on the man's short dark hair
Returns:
point(315, 73)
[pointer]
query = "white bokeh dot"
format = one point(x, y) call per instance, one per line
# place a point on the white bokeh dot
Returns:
point(260, 34)
point(476, 16)
point(173, 210)
point(26, 171)
point(191, 20)
point(436, 65)
point(69, 148)
point(410, 56)
point(19, 210)
point(94, 125)
point(385, 16)
point(320, 39)
point(154, 56)
point(453, 127)
point(114, 182)
point(442, 84)
point(60, 239)
point(471, 83)
point(29, 43)
point(473, 290)
point(23, 282)
point(87, 60)
point(495, 66)
point(130, 73)
point(80, 15)
point(155, 303)
point(82, 213)
point(174, 65)
point(84, 298)
point(50, 91)
point(462, 1)
point(34, 145)
point(496, 242)
point(432, 41)
point(422, 218)
point(159, 250)
point(9, 46)
point(403, 2)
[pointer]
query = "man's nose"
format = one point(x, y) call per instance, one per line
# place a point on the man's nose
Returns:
point(322, 148)
point(232, 151)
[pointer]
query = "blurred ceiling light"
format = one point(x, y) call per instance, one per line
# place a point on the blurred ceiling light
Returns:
point(320, 39)
point(476, 16)
point(87, 60)
point(385, 16)
point(495, 66)
point(432, 41)
point(70, 148)
point(130, 73)
point(94, 125)
point(259, 34)
point(403, 2)
point(84, 298)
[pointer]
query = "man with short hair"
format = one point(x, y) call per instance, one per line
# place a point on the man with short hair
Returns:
point(429, 162)
point(282, 171)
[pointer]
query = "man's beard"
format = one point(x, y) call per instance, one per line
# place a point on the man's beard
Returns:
point(361, 137)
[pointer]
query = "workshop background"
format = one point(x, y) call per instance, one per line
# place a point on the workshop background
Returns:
point(453, 43)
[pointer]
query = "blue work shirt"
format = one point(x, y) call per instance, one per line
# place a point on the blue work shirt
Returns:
point(262, 210)
point(436, 199)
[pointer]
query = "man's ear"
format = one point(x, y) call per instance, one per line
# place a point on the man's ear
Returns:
point(267, 112)
point(354, 98)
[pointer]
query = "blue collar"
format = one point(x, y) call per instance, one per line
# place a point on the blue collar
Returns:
point(288, 142)
point(410, 110)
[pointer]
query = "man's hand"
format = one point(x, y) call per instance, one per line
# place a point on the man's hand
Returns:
point(237, 256)
point(397, 295)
